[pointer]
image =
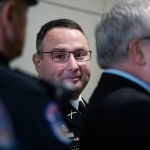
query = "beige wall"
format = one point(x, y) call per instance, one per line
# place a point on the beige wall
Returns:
point(85, 12)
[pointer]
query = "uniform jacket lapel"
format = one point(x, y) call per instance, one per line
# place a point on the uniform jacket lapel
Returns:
point(72, 115)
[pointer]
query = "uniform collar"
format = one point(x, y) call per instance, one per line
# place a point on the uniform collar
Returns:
point(3, 60)
point(129, 77)
point(75, 102)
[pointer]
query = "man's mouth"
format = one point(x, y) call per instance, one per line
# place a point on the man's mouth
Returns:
point(72, 78)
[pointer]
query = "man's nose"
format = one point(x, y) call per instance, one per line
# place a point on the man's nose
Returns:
point(72, 63)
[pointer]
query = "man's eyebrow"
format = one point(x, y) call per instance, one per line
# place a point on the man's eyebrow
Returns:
point(80, 49)
point(65, 50)
point(58, 49)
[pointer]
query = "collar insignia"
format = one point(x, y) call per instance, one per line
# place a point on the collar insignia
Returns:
point(71, 113)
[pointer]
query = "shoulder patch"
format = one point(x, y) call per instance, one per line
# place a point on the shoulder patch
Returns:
point(53, 116)
point(7, 138)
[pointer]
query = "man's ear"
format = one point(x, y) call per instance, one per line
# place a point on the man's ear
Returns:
point(135, 52)
point(37, 61)
point(8, 16)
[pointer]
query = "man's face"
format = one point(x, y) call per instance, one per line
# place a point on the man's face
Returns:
point(71, 40)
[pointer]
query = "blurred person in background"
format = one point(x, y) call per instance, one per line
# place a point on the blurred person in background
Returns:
point(29, 117)
point(63, 55)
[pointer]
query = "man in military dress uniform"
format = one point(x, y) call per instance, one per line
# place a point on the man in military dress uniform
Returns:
point(63, 56)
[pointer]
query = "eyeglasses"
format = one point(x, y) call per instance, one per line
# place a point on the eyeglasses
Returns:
point(63, 56)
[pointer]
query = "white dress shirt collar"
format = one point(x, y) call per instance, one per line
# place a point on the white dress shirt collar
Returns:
point(75, 102)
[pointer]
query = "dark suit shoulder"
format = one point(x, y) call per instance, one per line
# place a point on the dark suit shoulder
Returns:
point(124, 96)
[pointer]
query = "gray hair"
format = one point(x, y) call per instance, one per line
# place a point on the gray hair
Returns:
point(115, 30)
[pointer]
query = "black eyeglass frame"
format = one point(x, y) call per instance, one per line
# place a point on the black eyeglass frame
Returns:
point(39, 52)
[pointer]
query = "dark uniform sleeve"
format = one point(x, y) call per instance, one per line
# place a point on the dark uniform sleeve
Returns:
point(34, 114)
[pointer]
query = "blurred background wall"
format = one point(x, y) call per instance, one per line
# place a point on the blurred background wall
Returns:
point(84, 12)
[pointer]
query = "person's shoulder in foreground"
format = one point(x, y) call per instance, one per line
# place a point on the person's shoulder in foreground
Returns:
point(29, 117)
point(118, 111)
point(33, 110)
point(63, 55)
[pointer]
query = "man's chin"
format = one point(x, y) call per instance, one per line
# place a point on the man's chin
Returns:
point(72, 84)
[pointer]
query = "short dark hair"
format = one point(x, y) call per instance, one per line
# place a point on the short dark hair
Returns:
point(29, 2)
point(58, 23)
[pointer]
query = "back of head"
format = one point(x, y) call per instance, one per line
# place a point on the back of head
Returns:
point(125, 21)
point(13, 20)
point(58, 23)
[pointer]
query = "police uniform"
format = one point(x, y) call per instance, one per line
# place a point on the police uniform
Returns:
point(73, 119)
point(34, 116)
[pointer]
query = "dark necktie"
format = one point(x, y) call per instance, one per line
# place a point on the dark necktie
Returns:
point(82, 107)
